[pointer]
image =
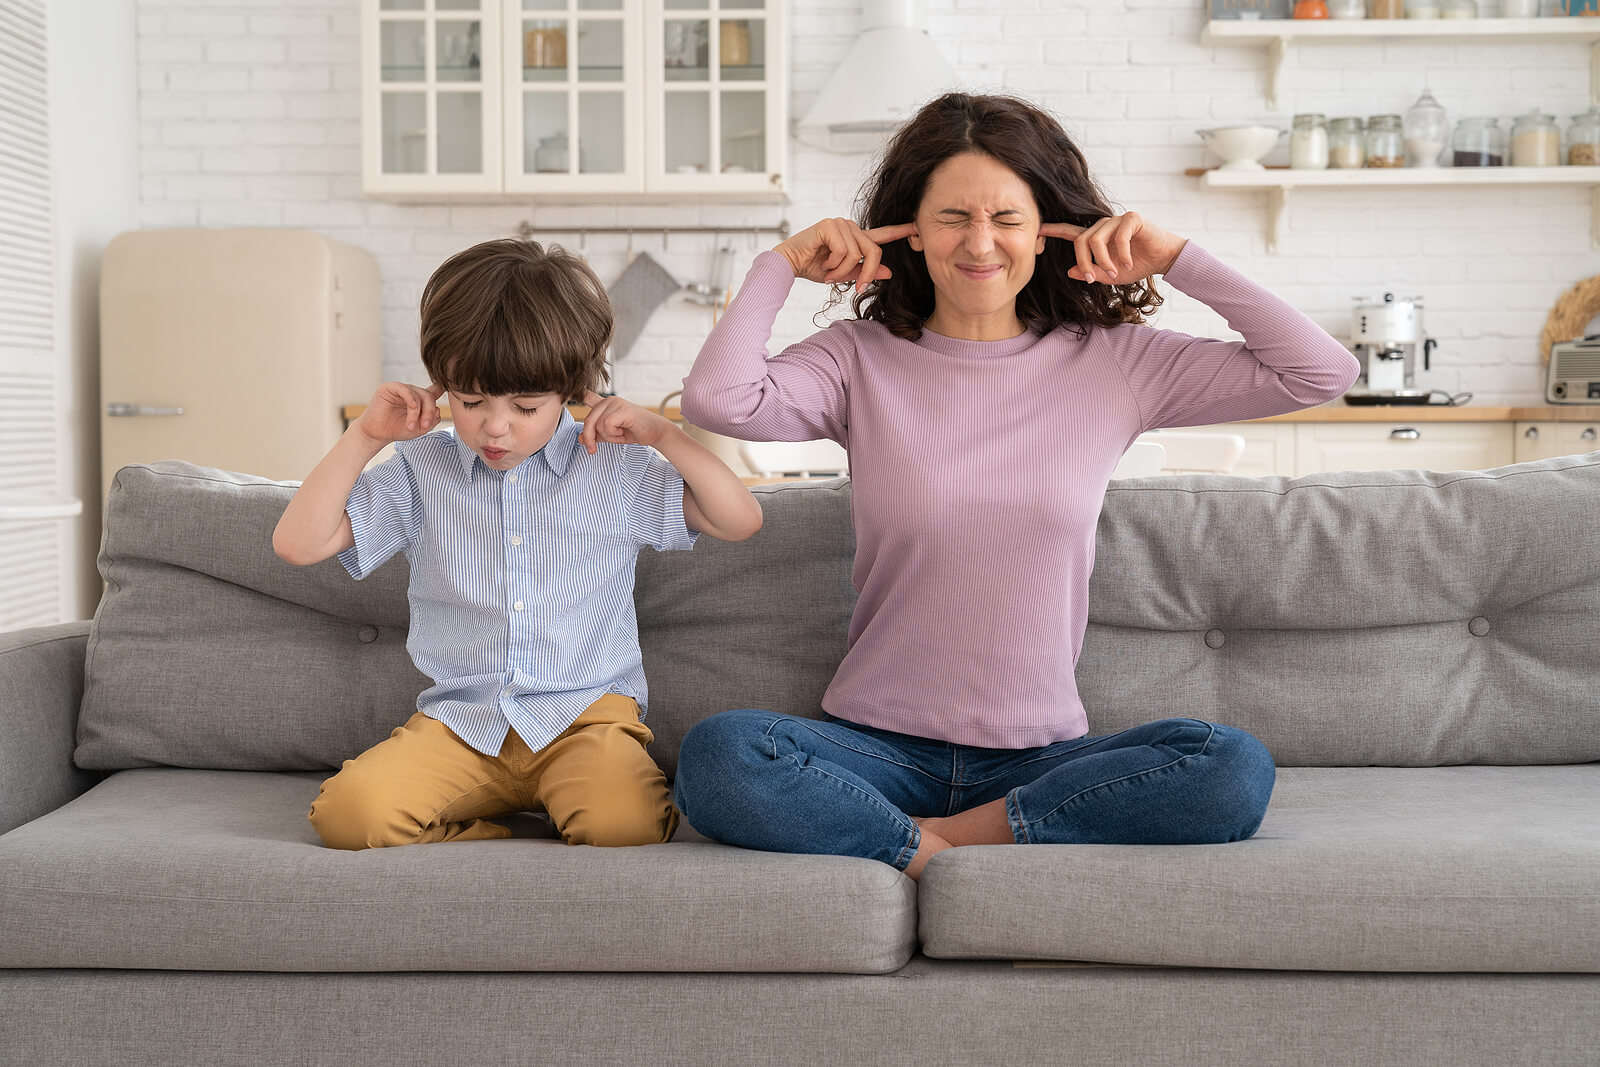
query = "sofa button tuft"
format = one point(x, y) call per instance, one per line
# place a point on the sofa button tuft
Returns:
point(1214, 638)
point(367, 634)
point(1478, 626)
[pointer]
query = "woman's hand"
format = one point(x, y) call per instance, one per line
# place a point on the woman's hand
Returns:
point(1118, 249)
point(619, 422)
point(399, 412)
point(835, 249)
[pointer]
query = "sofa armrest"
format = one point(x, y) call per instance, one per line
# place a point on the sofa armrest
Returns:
point(41, 686)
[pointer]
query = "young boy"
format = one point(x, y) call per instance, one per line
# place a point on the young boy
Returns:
point(522, 547)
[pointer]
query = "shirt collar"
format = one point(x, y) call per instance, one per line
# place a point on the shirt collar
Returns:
point(556, 453)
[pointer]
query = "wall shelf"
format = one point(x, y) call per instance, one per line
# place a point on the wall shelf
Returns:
point(1278, 36)
point(1278, 182)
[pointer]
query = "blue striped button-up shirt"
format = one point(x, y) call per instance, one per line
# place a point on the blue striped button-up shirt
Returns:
point(522, 580)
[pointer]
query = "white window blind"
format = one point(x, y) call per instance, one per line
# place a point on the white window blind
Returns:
point(31, 552)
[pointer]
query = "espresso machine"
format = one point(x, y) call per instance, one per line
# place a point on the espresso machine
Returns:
point(1385, 338)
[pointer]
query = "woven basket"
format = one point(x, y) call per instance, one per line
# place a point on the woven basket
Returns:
point(1570, 314)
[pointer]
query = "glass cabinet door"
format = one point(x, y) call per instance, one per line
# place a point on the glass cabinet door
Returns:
point(716, 95)
point(573, 110)
point(436, 95)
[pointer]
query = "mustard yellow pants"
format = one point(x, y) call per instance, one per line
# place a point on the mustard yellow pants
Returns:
point(425, 784)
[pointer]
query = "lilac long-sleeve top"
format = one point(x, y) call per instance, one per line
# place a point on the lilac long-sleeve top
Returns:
point(978, 471)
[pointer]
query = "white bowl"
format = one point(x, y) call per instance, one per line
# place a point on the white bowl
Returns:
point(1241, 147)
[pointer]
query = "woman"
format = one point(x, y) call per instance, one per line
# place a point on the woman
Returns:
point(995, 372)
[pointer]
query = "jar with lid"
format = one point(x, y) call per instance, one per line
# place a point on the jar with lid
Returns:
point(1478, 142)
point(1347, 142)
point(1535, 141)
point(1384, 145)
point(552, 157)
point(1308, 142)
point(1347, 9)
point(1426, 129)
point(1583, 139)
point(1422, 9)
point(1458, 9)
point(1386, 9)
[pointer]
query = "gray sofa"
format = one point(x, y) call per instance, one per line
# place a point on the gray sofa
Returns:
point(1420, 651)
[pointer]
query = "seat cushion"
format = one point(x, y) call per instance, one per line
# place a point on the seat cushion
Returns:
point(220, 870)
point(1354, 869)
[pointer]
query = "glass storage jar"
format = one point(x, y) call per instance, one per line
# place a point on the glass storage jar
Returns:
point(1347, 9)
point(1427, 129)
point(1386, 9)
point(1308, 142)
point(1458, 9)
point(1384, 145)
point(1535, 141)
point(1347, 142)
point(1478, 142)
point(1583, 139)
point(1422, 9)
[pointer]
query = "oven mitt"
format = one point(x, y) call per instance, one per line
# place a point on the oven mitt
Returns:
point(635, 295)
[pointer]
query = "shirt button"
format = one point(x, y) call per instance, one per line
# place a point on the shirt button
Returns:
point(517, 606)
point(516, 540)
point(512, 479)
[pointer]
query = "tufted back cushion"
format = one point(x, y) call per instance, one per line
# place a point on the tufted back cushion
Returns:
point(1399, 618)
point(209, 651)
point(1385, 618)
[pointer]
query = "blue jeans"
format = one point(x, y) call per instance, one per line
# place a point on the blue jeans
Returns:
point(779, 783)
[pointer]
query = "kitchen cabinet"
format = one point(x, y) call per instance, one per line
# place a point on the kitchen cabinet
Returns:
point(574, 99)
point(1298, 448)
point(1268, 447)
point(1543, 440)
point(1454, 446)
point(430, 100)
point(1278, 36)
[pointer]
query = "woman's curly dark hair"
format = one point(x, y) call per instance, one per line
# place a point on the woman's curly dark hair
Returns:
point(1031, 143)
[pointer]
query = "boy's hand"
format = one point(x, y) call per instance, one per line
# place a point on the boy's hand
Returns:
point(619, 421)
point(399, 412)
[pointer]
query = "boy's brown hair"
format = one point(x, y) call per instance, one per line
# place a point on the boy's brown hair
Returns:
point(508, 316)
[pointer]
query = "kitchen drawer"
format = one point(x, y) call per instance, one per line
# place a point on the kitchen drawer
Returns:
point(1542, 440)
point(1440, 446)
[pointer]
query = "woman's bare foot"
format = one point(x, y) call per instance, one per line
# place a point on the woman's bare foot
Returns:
point(986, 824)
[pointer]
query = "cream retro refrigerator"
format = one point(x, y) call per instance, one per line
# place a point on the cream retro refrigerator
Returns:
point(233, 348)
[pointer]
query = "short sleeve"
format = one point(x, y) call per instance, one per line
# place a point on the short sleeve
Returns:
point(655, 510)
point(384, 512)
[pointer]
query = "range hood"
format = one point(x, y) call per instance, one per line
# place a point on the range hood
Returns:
point(892, 69)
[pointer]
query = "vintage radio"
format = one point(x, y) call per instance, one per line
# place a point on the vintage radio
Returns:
point(1574, 372)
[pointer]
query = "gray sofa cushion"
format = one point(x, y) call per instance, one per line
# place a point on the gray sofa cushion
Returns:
point(1392, 618)
point(220, 870)
point(209, 651)
point(1354, 869)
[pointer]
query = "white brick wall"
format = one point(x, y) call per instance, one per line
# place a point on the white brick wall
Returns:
point(250, 116)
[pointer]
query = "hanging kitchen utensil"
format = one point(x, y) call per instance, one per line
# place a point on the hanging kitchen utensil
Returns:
point(635, 295)
point(714, 292)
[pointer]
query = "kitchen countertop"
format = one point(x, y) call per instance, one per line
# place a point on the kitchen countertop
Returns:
point(1339, 411)
point(1333, 411)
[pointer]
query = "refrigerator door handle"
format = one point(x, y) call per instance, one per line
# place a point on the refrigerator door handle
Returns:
point(119, 408)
